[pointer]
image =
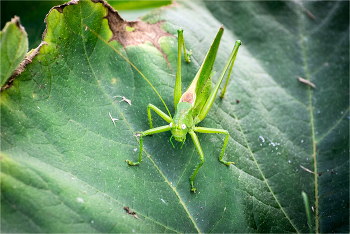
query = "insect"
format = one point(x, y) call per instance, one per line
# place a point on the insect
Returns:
point(194, 104)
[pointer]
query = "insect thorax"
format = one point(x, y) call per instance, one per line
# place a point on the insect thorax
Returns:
point(183, 116)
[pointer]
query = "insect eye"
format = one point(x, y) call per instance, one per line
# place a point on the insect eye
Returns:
point(183, 126)
point(171, 124)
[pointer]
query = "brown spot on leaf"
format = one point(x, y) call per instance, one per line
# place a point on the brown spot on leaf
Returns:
point(141, 33)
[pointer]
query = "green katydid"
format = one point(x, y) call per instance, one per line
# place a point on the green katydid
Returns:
point(192, 106)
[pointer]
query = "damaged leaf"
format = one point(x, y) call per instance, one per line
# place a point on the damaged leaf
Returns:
point(135, 32)
point(65, 137)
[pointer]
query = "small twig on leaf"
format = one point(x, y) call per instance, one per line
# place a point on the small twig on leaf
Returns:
point(304, 168)
point(306, 82)
point(113, 119)
point(124, 99)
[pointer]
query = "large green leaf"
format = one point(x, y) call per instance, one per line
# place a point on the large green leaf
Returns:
point(63, 163)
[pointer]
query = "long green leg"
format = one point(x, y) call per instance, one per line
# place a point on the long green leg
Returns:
point(181, 43)
point(201, 156)
point(159, 112)
point(146, 133)
point(228, 77)
point(220, 131)
point(213, 93)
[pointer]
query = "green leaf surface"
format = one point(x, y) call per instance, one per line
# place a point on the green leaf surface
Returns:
point(13, 48)
point(63, 163)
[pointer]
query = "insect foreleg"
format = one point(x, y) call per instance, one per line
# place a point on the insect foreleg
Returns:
point(159, 112)
point(146, 133)
point(201, 156)
point(220, 131)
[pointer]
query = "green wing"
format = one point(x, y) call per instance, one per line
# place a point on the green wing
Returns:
point(198, 92)
point(205, 74)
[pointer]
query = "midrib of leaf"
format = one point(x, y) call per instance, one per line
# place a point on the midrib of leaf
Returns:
point(307, 76)
point(148, 156)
